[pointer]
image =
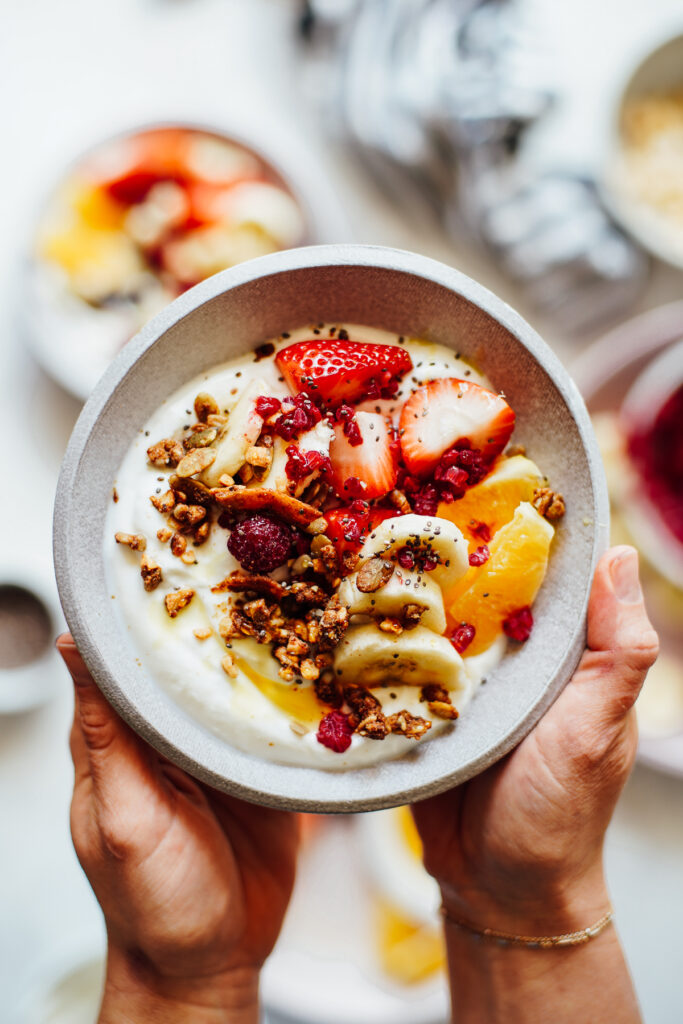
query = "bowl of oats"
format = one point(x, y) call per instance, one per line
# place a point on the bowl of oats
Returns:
point(326, 528)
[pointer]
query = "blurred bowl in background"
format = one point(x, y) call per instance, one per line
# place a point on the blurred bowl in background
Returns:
point(607, 374)
point(227, 316)
point(30, 618)
point(137, 220)
point(642, 174)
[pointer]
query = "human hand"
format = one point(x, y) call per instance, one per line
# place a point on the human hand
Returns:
point(519, 847)
point(193, 884)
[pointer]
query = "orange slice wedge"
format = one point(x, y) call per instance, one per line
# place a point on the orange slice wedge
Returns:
point(510, 579)
point(493, 501)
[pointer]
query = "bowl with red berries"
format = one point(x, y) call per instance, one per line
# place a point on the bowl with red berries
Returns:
point(326, 528)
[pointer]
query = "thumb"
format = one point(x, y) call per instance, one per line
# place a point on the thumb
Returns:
point(622, 645)
point(102, 745)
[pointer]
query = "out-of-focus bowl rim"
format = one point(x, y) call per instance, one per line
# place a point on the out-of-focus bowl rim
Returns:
point(340, 795)
point(619, 206)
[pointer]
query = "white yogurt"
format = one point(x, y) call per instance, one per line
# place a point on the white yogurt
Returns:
point(188, 669)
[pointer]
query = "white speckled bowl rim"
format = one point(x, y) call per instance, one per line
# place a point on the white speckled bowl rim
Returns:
point(231, 313)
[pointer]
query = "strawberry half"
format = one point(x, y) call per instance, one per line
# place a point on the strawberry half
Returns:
point(443, 412)
point(335, 370)
point(366, 470)
point(348, 529)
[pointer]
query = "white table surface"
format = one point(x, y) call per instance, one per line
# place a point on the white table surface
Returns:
point(73, 71)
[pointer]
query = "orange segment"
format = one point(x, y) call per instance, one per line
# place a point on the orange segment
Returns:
point(493, 501)
point(509, 580)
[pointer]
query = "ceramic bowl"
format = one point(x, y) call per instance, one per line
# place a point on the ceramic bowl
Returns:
point(230, 314)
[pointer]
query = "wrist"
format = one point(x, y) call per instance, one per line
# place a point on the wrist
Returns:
point(135, 990)
point(555, 907)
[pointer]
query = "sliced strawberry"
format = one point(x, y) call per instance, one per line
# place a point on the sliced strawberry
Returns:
point(443, 412)
point(367, 470)
point(335, 370)
point(347, 529)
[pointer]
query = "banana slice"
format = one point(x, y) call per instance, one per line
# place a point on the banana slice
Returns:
point(427, 535)
point(418, 656)
point(243, 429)
point(403, 588)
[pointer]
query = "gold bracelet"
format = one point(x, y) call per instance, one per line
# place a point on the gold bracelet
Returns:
point(540, 941)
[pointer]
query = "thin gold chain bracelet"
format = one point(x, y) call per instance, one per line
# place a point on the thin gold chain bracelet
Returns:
point(577, 938)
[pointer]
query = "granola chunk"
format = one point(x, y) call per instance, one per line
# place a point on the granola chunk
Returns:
point(411, 726)
point(178, 545)
point(259, 456)
point(328, 691)
point(412, 613)
point(333, 624)
point(438, 700)
point(177, 600)
point(191, 515)
point(201, 534)
point(165, 453)
point(135, 541)
point(548, 503)
point(164, 503)
point(151, 573)
point(193, 491)
point(228, 665)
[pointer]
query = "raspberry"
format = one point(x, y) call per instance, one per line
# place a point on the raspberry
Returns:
point(462, 637)
point(267, 405)
point(518, 626)
point(335, 732)
point(480, 555)
point(405, 558)
point(260, 543)
point(302, 464)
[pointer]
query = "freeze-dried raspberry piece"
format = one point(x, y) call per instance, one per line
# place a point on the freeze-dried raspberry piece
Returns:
point(302, 464)
point(462, 637)
point(480, 555)
point(335, 732)
point(519, 624)
point(267, 405)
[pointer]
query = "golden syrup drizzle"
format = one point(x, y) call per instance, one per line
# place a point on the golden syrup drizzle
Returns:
point(297, 701)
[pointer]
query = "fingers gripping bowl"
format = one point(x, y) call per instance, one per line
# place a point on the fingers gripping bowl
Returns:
point(226, 318)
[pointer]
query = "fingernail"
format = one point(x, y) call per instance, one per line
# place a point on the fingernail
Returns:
point(624, 574)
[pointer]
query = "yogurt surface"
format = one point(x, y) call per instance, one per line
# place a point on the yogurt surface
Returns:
point(254, 710)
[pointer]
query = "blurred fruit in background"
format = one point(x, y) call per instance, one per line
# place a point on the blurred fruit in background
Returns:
point(136, 222)
point(632, 380)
